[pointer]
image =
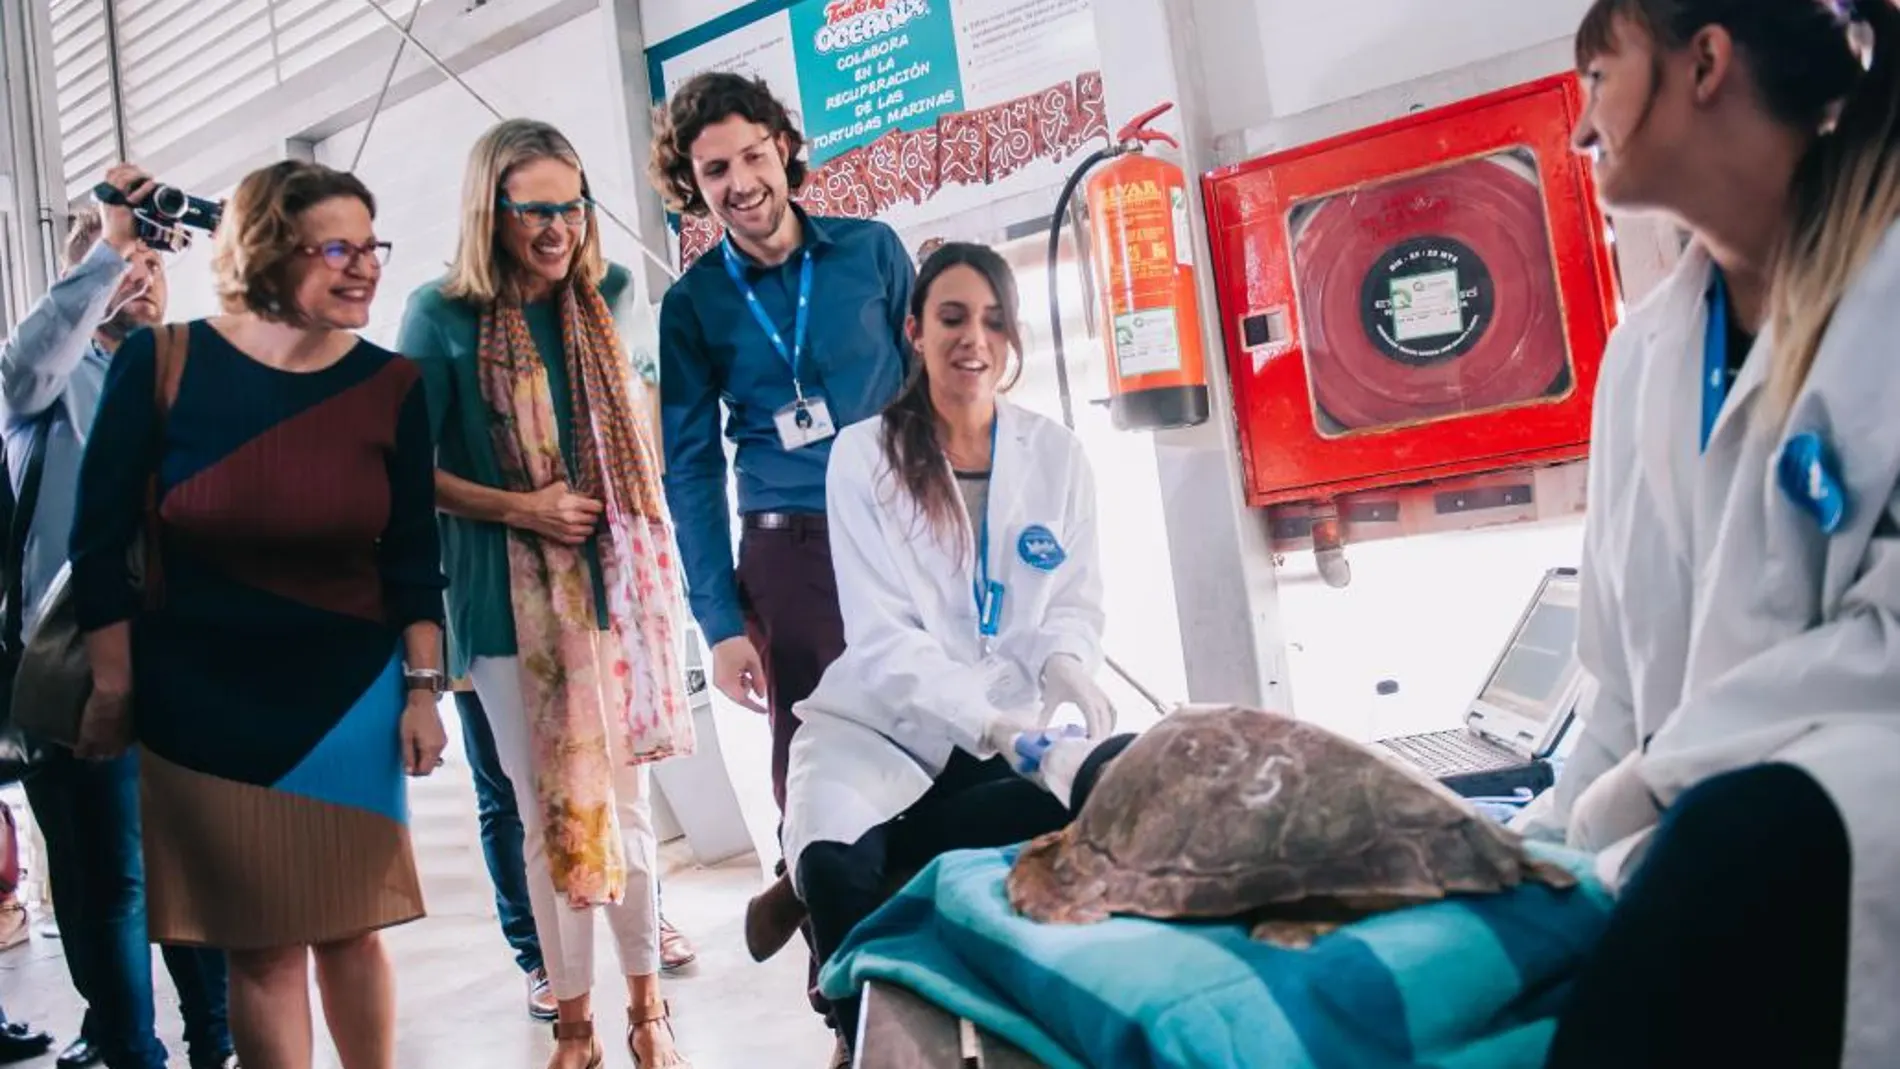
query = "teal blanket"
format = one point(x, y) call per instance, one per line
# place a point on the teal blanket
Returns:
point(1470, 983)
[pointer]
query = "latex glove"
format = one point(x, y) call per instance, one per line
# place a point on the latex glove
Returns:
point(1001, 733)
point(1613, 808)
point(1066, 682)
point(1052, 758)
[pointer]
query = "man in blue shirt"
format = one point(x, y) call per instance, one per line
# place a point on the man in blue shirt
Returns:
point(796, 324)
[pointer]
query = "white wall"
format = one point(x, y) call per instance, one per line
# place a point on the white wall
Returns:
point(418, 149)
point(309, 105)
point(661, 19)
point(1263, 60)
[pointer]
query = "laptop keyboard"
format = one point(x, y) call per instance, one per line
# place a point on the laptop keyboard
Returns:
point(1449, 753)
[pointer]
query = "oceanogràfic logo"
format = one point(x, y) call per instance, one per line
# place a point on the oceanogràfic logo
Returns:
point(853, 23)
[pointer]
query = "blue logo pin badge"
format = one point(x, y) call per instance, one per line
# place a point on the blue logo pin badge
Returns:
point(1038, 548)
point(1811, 480)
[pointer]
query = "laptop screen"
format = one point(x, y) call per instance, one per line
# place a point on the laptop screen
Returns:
point(1537, 667)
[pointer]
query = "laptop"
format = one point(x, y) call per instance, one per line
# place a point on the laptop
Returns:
point(1523, 710)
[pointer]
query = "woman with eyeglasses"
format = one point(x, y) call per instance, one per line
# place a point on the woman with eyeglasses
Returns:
point(564, 593)
point(279, 658)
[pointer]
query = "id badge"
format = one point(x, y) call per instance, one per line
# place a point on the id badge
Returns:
point(803, 422)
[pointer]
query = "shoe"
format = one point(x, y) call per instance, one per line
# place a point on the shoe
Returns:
point(596, 1058)
point(79, 1054)
point(772, 918)
point(15, 926)
point(676, 951)
point(540, 996)
point(221, 1061)
point(664, 1016)
point(18, 1042)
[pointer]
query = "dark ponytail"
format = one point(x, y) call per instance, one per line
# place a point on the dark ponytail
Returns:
point(1803, 60)
point(912, 448)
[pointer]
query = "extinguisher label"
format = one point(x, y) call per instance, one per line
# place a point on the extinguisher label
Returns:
point(1147, 342)
point(1183, 232)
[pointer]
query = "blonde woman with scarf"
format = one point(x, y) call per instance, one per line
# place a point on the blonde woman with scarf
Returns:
point(563, 583)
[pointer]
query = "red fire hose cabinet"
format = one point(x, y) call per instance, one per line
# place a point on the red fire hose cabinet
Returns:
point(1419, 300)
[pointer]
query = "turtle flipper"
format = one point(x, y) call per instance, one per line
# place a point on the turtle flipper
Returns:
point(1550, 874)
point(1291, 934)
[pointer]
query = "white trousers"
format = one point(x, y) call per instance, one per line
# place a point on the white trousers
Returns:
point(567, 935)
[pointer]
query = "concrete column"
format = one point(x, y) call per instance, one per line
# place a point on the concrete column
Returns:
point(1227, 602)
point(32, 197)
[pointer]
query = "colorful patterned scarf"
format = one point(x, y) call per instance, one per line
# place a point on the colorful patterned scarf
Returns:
point(578, 683)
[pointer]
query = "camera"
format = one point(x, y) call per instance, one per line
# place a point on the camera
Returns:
point(166, 214)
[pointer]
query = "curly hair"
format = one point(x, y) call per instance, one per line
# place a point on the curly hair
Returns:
point(257, 240)
point(706, 99)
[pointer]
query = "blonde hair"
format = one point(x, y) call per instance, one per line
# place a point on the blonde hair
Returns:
point(257, 240)
point(1846, 195)
point(481, 272)
point(81, 236)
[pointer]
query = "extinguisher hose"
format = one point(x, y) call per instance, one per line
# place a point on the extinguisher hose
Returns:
point(1062, 363)
point(1055, 290)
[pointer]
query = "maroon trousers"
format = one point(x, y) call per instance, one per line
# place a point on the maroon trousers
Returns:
point(790, 598)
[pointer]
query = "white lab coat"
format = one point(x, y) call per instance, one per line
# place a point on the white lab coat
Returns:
point(913, 685)
point(1721, 623)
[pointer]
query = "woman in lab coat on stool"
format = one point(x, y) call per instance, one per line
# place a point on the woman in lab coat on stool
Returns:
point(963, 530)
point(1741, 568)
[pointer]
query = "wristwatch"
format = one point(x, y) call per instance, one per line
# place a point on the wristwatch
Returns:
point(429, 679)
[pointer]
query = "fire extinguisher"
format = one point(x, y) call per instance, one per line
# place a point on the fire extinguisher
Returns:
point(1143, 260)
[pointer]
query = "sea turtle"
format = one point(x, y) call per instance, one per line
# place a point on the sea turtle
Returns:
point(1221, 812)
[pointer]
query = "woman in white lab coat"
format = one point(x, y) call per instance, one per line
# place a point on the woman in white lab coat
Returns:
point(963, 532)
point(1741, 601)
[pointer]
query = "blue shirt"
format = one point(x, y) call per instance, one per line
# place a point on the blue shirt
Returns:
point(712, 350)
point(52, 369)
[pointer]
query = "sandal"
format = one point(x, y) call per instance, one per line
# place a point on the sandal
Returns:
point(596, 1057)
point(664, 1016)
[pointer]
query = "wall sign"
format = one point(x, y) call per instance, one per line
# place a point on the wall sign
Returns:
point(908, 102)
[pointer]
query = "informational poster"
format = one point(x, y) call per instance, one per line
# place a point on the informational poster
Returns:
point(865, 66)
point(907, 103)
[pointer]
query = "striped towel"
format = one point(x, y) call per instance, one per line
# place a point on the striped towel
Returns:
point(1471, 983)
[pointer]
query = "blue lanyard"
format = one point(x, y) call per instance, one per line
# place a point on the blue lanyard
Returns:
point(1715, 357)
point(801, 321)
point(989, 596)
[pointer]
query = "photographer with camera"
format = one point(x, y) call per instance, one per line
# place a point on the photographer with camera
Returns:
point(52, 371)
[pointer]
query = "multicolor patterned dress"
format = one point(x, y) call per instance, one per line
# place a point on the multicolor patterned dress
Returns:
point(299, 540)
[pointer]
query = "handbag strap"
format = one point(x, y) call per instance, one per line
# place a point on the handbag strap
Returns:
point(172, 346)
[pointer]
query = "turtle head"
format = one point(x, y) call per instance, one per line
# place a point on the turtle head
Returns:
point(1048, 885)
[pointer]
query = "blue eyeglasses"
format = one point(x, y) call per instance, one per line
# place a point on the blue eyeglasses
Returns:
point(541, 214)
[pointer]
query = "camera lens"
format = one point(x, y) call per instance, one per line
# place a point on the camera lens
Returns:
point(169, 201)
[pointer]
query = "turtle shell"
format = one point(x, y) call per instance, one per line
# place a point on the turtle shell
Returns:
point(1223, 812)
